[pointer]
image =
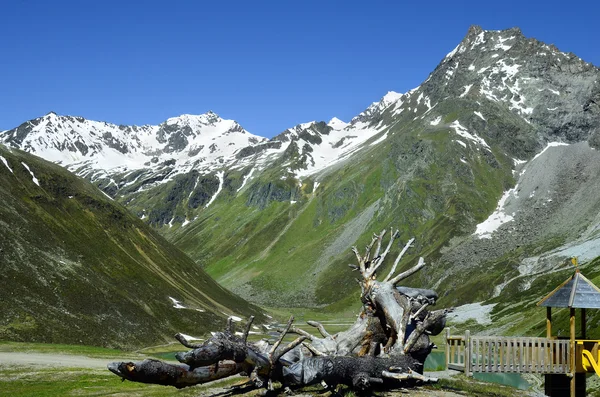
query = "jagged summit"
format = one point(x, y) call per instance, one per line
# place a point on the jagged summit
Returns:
point(474, 30)
point(489, 76)
point(186, 139)
point(336, 123)
point(441, 160)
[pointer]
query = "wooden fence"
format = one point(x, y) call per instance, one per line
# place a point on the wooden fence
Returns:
point(507, 354)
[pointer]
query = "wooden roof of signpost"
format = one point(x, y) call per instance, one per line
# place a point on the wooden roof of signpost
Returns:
point(575, 292)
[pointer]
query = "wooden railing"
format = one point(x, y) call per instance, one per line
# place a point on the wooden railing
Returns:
point(456, 352)
point(507, 354)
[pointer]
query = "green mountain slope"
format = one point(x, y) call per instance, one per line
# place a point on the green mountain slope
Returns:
point(296, 254)
point(77, 267)
point(446, 154)
point(467, 163)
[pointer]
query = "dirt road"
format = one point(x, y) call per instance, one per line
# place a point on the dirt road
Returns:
point(53, 360)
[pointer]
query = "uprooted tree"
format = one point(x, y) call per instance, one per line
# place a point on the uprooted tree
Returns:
point(385, 348)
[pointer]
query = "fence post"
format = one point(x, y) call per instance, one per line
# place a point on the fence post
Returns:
point(447, 347)
point(467, 353)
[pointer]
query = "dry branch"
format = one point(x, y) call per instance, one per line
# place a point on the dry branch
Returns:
point(400, 255)
point(376, 351)
point(320, 327)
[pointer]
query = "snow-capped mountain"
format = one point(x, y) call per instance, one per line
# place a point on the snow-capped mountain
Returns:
point(116, 156)
point(458, 160)
point(488, 70)
point(203, 140)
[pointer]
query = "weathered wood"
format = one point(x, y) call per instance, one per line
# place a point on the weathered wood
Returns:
point(409, 375)
point(400, 255)
point(320, 327)
point(468, 349)
point(386, 346)
point(247, 330)
point(357, 372)
point(507, 354)
point(447, 347)
point(179, 376)
point(434, 322)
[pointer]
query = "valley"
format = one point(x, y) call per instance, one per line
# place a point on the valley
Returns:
point(117, 235)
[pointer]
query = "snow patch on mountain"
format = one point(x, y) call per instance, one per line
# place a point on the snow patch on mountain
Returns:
point(462, 131)
point(176, 304)
point(548, 146)
point(498, 217)
point(246, 179)
point(335, 146)
point(6, 164)
point(35, 180)
point(467, 89)
point(379, 140)
point(220, 176)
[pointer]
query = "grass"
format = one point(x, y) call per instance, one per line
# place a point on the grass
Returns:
point(470, 387)
point(50, 382)
point(45, 381)
point(80, 350)
point(90, 269)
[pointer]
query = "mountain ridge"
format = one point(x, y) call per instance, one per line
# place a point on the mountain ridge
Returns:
point(437, 161)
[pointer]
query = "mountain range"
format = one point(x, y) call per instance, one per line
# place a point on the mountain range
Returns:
point(491, 163)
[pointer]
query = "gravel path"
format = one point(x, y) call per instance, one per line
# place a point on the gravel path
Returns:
point(53, 360)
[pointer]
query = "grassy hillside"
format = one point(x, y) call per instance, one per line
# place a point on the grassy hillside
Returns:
point(77, 267)
point(288, 253)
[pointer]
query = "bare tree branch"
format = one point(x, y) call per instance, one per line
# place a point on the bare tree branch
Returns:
point(400, 255)
point(320, 327)
point(278, 342)
point(409, 272)
point(409, 375)
point(295, 330)
point(288, 347)
point(433, 323)
point(361, 262)
point(379, 241)
point(187, 343)
point(312, 349)
point(247, 330)
point(381, 259)
point(229, 326)
point(178, 375)
point(368, 249)
point(416, 314)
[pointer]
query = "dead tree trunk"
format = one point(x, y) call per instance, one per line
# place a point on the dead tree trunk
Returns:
point(385, 347)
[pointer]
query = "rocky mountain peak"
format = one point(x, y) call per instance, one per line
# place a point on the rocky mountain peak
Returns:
point(337, 124)
point(473, 31)
point(193, 120)
point(534, 80)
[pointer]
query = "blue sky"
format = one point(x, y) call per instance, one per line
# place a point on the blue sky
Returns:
point(267, 64)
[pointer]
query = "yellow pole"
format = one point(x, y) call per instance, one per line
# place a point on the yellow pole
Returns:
point(572, 350)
